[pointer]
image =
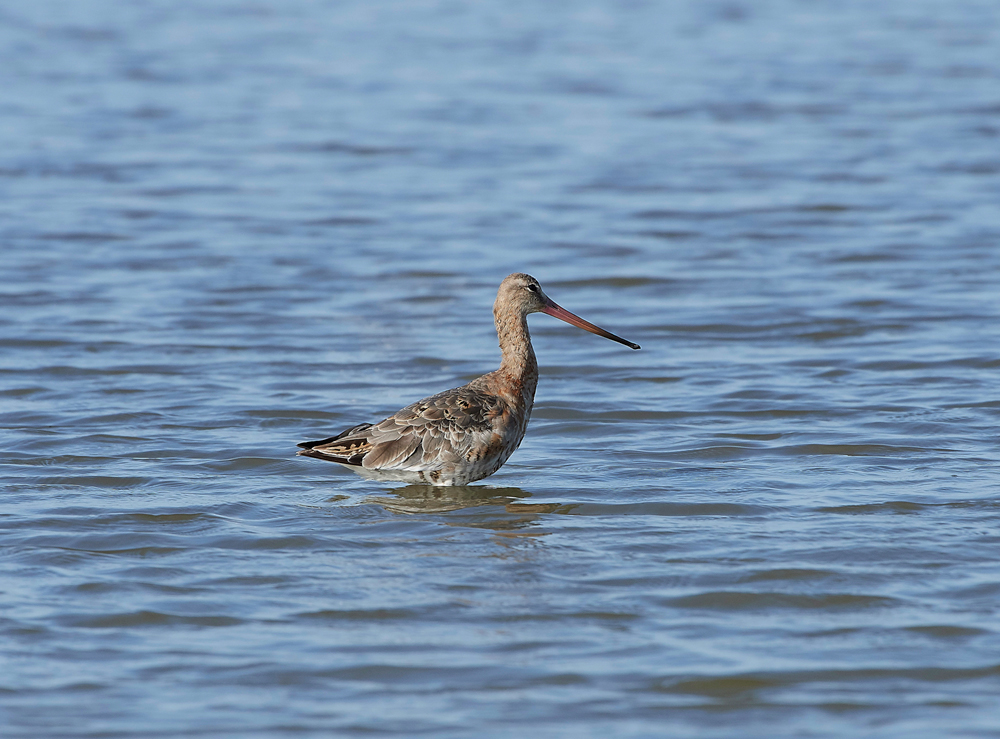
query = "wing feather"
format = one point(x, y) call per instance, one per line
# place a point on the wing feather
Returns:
point(432, 433)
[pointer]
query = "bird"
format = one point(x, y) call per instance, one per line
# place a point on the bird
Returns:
point(466, 433)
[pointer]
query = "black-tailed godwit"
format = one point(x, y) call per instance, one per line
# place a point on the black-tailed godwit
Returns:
point(467, 433)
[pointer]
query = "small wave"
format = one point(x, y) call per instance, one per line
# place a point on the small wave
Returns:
point(853, 450)
point(740, 685)
point(341, 147)
point(242, 463)
point(373, 614)
point(95, 481)
point(343, 221)
point(666, 509)
point(894, 506)
point(751, 601)
point(86, 236)
point(615, 282)
point(135, 619)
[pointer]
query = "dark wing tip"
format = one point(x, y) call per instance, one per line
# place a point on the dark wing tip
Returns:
point(354, 459)
point(330, 439)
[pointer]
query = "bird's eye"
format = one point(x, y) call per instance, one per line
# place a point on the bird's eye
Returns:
point(533, 288)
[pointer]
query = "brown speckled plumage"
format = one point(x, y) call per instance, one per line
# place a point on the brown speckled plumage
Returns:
point(466, 433)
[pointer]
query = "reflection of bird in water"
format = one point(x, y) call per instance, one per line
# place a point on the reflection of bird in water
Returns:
point(467, 433)
point(437, 499)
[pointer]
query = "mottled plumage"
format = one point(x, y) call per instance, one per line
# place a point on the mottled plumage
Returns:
point(467, 433)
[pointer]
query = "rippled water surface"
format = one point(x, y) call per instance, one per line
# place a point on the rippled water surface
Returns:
point(226, 227)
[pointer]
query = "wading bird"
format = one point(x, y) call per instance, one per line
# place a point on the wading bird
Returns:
point(467, 433)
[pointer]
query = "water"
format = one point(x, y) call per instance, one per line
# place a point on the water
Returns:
point(228, 227)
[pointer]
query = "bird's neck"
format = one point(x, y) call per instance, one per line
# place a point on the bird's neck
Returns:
point(518, 368)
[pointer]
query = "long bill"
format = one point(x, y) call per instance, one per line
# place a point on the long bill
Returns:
point(557, 311)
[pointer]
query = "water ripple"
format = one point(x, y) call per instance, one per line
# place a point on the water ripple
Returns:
point(229, 228)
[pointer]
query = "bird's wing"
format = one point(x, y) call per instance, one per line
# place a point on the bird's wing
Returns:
point(348, 447)
point(449, 427)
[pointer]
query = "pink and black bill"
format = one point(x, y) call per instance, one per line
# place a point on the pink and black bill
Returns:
point(557, 311)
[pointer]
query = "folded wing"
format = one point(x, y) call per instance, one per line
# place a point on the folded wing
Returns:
point(445, 429)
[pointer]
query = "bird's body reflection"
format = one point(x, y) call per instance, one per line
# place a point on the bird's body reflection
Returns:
point(435, 499)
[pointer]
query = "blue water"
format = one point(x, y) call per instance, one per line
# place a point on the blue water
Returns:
point(227, 227)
